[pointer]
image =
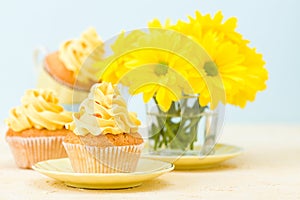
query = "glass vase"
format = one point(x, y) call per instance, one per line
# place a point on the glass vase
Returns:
point(185, 129)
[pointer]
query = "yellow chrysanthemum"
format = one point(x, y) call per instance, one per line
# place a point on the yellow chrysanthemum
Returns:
point(112, 67)
point(168, 60)
point(157, 73)
point(152, 65)
point(240, 67)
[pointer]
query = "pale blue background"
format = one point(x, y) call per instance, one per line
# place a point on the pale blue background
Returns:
point(272, 26)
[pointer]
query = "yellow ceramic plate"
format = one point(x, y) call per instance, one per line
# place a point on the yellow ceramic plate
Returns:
point(60, 169)
point(222, 152)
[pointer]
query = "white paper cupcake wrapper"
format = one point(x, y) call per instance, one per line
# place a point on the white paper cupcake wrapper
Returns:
point(89, 159)
point(28, 151)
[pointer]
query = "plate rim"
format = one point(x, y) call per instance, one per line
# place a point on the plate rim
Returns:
point(169, 168)
point(239, 151)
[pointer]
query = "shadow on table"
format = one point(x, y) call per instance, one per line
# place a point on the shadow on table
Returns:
point(221, 167)
point(56, 186)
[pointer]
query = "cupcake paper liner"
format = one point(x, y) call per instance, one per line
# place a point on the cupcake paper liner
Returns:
point(89, 159)
point(28, 151)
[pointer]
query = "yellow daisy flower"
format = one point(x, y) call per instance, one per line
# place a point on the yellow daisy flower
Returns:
point(152, 65)
point(168, 61)
point(239, 66)
point(112, 67)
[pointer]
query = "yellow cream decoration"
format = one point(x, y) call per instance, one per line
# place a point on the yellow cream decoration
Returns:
point(78, 55)
point(40, 109)
point(104, 111)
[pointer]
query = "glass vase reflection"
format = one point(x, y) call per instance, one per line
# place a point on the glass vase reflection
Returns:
point(185, 129)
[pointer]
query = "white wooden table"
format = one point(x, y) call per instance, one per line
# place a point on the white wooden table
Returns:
point(268, 169)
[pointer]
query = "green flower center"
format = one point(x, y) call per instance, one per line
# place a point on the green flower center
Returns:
point(161, 69)
point(211, 69)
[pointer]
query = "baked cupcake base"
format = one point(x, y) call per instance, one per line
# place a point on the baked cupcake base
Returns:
point(28, 151)
point(53, 75)
point(105, 153)
point(91, 159)
point(32, 145)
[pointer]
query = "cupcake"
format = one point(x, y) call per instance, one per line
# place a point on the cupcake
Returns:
point(105, 136)
point(70, 71)
point(36, 129)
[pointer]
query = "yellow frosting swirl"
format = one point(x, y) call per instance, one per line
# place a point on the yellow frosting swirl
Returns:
point(104, 111)
point(78, 55)
point(40, 109)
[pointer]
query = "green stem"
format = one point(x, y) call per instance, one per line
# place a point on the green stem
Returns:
point(173, 134)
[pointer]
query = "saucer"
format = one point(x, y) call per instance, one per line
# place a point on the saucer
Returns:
point(61, 170)
point(222, 152)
